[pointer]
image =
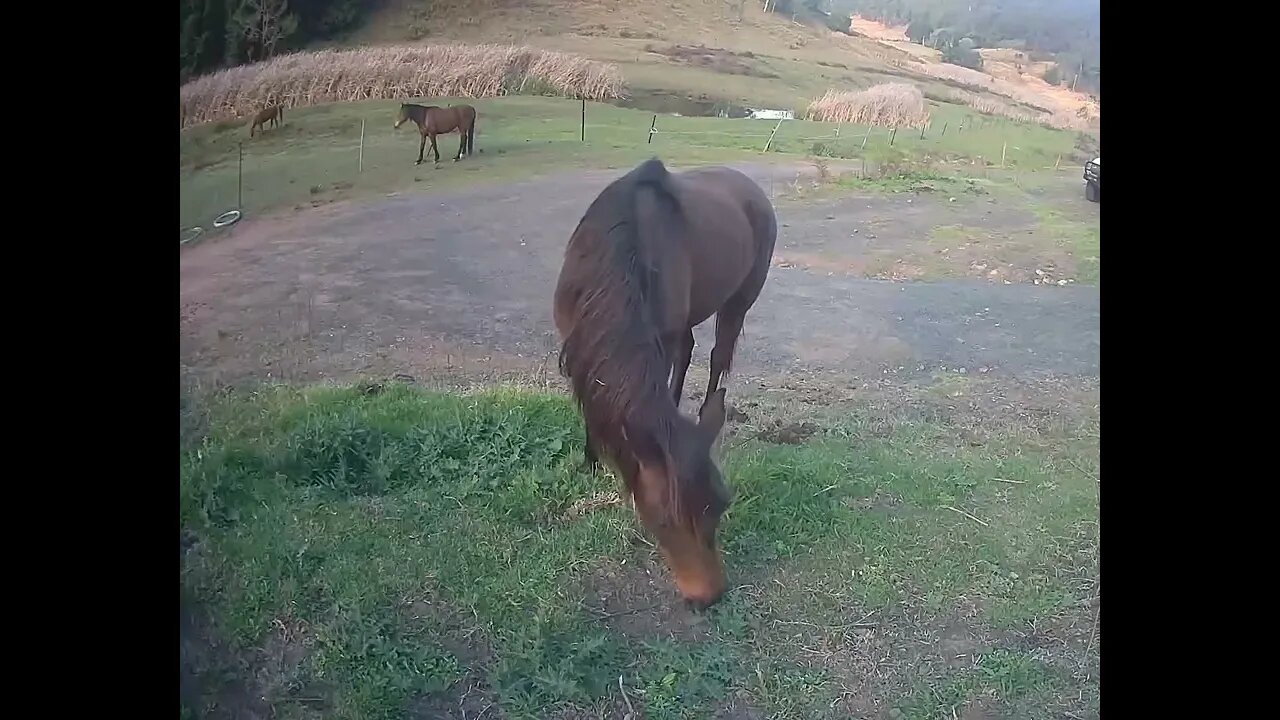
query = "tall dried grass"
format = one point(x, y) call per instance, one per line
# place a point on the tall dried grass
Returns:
point(885, 105)
point(1055, 115)
point(995, 106)
point(311, 78)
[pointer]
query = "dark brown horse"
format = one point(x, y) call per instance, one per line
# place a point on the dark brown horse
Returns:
point(656, 254)
point(432, 121)
point(273, 114)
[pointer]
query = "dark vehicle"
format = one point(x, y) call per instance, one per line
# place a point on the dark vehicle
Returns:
point(1092, 172)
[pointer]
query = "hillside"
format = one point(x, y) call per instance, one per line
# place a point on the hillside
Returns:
point(726, 51)
point(686, 56)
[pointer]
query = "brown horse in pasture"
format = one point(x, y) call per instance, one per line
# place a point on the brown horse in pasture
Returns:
point(656, 254)
point(432, 121)
point(273, 114)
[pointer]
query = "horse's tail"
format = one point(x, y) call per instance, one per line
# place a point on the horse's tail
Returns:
point(280, 109)
point(471, 134)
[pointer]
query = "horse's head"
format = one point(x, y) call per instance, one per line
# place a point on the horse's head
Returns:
point(403, 116)
point(680, 495)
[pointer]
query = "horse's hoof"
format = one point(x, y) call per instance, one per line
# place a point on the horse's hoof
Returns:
point(418, 163)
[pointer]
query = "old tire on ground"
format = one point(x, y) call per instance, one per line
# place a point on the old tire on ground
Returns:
point(1091, 192)
point(230, 217)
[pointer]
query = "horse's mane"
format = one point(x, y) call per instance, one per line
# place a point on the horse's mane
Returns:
point(613, 354)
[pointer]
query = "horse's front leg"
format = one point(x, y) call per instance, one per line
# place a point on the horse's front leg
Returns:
point(421, 148)
point(435, 149)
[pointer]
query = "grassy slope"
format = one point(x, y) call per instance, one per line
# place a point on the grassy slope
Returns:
point(807, 60)
point(396, 549)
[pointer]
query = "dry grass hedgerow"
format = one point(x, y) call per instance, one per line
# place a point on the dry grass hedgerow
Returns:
point(310, 78)
point(997, 107)
point(1059, 119)
point(885, 105)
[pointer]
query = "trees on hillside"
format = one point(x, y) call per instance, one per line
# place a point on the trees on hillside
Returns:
point(224, 32)
point(1069, 29)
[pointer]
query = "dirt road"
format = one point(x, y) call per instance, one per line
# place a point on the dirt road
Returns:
point(420, 284)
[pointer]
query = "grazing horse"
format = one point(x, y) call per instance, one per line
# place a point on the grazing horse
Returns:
point(273, 114)
point(432, 121)
point(656, 254)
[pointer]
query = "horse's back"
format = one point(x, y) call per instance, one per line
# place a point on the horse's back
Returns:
point(729, 237)
point(724, 203)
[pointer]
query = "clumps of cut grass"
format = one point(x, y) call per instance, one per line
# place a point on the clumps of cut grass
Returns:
point(311, 78)
point(884, 105)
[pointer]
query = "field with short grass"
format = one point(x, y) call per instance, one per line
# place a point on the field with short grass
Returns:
point(315, 156)
point(381, 551)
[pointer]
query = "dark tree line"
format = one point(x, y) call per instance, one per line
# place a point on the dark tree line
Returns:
point(217, 33)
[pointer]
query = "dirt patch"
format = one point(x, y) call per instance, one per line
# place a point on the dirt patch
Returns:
point(468, 699)
point(587, 505)
point(636, 599)
point(455, 286)
point(718, 60)
point(216, 682)
point(792, 433)
point(470, 696)
point(980, 709)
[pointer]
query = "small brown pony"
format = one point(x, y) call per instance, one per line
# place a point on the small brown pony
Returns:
point(656, 254)
point(432, 120)
point(273, 114)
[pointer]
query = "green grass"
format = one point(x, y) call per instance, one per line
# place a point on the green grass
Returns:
point(417, 541)
point(314, 157)
point(1080, 239)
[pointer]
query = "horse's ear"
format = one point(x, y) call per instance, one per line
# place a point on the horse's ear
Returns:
point(654, 460)
point(711, 416)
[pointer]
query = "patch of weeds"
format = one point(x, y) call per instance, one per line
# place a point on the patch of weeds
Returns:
point(1003, 675)
point(731, 619)
point(1011, 674)
point(892, 180)
point(554, 660)
point(791, 692)
point(373, 671)
point(679, 680)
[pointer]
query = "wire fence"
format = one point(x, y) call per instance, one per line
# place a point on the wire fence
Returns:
point(230, 171)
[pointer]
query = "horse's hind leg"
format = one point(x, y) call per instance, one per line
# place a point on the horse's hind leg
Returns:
point(590, 460)
point(728, 327)
point(462, 144)
point(681, 356)
point(729, 321)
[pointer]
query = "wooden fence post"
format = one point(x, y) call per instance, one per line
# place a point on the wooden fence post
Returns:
point(360, 158)
point(769, 142)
